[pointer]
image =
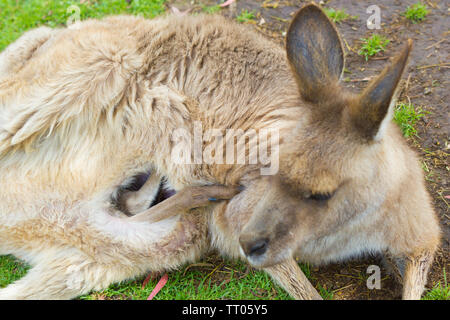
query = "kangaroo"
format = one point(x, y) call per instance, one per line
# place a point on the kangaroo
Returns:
point(98, 103)
point(71, 141)
point(348, 184)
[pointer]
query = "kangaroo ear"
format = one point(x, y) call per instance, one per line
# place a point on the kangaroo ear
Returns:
point(314, 51)
point(372, 111)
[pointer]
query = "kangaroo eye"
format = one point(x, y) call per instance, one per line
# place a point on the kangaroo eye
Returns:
point(321, 196)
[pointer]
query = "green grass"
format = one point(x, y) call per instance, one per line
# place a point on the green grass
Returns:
point(371, 46)
point(246, 16)
point(18, 16)
point(11, 269)
point(339, 15)
point(209, 280)
point(416, 12)
point(439, 291)
point(211, 9)
point(406, 116)
point(231, 281)
point(219, 280)
point(326, 294)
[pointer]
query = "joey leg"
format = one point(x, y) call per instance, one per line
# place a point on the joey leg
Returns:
point(184, 200)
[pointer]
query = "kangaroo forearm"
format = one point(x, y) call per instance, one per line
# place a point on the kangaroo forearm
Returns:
point(289, 275)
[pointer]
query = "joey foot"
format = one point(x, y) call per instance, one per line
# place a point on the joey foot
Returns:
point(185, 200)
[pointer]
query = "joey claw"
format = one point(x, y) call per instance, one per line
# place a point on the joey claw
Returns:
point(194, 197)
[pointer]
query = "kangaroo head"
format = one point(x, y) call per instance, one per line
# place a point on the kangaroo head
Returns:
point(333, 166)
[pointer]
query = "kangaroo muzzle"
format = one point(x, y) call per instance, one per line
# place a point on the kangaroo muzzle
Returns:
point(254, 247)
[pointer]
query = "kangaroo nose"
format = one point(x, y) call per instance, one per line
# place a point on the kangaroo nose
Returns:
point(255, 248)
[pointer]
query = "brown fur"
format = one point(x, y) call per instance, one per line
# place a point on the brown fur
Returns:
point(98, 103)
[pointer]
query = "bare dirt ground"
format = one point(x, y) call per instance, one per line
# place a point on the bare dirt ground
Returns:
point(425, 85)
